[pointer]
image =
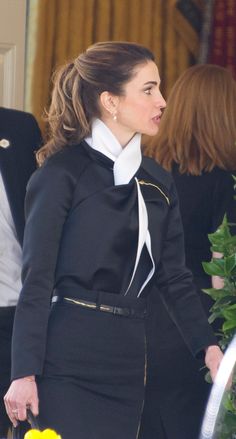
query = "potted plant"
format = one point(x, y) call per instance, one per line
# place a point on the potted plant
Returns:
point(224, 308)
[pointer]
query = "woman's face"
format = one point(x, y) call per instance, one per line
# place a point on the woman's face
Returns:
point(140, 109)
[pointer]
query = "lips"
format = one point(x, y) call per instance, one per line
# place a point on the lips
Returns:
point(156, 119)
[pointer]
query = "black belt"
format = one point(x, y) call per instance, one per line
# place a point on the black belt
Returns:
point(115, 310)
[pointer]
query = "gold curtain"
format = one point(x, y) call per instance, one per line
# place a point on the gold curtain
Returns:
point(67, 27)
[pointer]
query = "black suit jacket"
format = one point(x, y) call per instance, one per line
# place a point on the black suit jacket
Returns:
point(17, 162)
point(81, 235)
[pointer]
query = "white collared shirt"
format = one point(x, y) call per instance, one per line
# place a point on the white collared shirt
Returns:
point(10, 254)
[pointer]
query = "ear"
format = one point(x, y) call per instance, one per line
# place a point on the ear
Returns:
point(109, 102)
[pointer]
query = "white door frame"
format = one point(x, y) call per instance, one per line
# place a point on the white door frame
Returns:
point(12, 52)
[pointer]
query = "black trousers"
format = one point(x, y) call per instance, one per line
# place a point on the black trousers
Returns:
point(6, 324)
point(93, 381)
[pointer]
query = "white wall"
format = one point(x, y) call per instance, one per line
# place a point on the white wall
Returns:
point(12, 52)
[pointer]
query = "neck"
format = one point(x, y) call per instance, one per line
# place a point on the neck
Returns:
point(119, 132)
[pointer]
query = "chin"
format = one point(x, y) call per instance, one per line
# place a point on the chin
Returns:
point(151, 132)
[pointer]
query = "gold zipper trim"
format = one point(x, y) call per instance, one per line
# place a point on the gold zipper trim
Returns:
point(105, 308)
point(79, 302)
point(88, 305)
point(157, 187)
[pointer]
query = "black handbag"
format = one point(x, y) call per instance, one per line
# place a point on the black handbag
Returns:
point(18, 432)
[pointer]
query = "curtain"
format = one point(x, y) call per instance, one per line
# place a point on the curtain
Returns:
point(222, 47)
point(67, 27)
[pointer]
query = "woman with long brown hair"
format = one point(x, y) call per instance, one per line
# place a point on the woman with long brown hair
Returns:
point(196, 143)
point(102, 224)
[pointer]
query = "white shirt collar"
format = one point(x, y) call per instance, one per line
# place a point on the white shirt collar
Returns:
point(127, 160)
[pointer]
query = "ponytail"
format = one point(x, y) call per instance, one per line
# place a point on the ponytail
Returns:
point(67, 119)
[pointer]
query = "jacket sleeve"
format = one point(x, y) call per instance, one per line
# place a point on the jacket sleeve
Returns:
point(223, 201)
point(48, 201)
point(174, 282)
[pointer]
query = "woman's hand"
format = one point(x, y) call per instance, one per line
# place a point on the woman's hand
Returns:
point(213, 359)
point(22, 394)
point(217, 282)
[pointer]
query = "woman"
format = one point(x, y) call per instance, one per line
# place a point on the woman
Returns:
point(196, 142)
point(102, 226)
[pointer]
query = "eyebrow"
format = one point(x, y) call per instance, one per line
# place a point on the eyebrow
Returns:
point(151, 82)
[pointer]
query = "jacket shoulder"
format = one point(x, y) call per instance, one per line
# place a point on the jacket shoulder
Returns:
point(71, 157)
point(10, 115)
point(69, 162)
point(157, 172)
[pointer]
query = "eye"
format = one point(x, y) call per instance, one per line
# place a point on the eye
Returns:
point(148, 91)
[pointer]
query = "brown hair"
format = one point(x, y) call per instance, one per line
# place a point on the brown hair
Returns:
point(105, 66)
point(198, 128)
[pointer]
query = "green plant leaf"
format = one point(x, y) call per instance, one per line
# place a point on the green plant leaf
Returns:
point(230, 263)
point(215, 268)
point(230, 313)
point(229, 324)
point(223, 232)
point(229, 422)
point(218, 294)
point(214, 316)
point(226, 300)
point(208, 378)
point(229, 404)
point(230, 310)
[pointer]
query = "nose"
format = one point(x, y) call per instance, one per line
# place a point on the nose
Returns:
point(160, 102)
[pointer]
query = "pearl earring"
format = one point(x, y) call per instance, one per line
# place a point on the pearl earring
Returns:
point(114, 116)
